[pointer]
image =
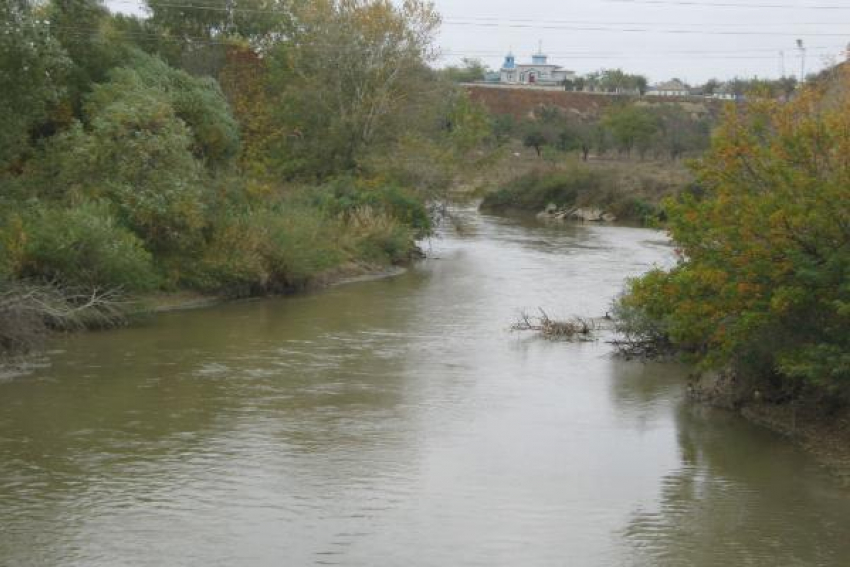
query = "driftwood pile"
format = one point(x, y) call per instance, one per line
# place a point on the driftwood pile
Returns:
point(573, 329)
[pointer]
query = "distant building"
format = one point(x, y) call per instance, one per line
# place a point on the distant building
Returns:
point(726, 91)
point(670, 88)
point(538, 72)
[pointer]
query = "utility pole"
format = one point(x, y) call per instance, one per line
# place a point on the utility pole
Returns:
point(231, 26)
point(802, 49)
point(782, 64)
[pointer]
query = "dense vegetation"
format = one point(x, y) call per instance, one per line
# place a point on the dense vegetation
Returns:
point(658, 136)
point(763, 282)
point(227, 150)
point(660, 131)
point(617, 81)
point(629, 191)
point(609, 81)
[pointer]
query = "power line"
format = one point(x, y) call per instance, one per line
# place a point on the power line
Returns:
point(699, 56)
point(641, 23)
point(572, 55)
point(495, 23)
point(662, 2)
point(666, 51)
point(455, 18)
point(729, 5)
point(522, 21)
point(229, 40)
point(694, 52)
point(647, 30)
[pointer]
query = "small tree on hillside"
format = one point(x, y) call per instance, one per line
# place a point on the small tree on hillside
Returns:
point(631, 127)
point(469, 71)
point(535, 138)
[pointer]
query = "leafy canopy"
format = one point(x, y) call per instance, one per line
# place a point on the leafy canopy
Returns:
point(764, 277)
point(32, 68)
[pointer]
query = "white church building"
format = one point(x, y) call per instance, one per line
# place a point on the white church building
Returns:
point(538, 72)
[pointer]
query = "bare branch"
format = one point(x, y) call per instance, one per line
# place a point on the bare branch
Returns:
point(574, 329)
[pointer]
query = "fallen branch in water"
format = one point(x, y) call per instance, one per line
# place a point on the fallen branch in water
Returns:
point(574, 329)
point(28, 312)
point(643, 349)
point(637, 336)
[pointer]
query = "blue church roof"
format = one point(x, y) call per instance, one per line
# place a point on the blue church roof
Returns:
point(538, 58)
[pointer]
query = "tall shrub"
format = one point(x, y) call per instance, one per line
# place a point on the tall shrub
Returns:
point(763, 280)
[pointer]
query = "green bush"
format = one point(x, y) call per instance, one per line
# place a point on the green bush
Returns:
point(136, 153)
point(267, 249)
point(762, 282)
point(378, 237)
point(6, 261)
point(33, 69)
point(197, 102)
point(637, 209)
point(342, 197)
point(535, 190)
point(147, 136)
point(85, 247)
point(232, 262)
point(300, 244)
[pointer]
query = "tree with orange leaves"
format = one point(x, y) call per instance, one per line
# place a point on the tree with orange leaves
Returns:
point(763, 281)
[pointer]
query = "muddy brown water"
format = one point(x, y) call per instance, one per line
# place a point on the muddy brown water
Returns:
point(400, 422)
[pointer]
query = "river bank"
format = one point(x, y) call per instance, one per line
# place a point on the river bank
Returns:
point(26, 336)
point(352, 272)
point(815, 422)
point(594, 191)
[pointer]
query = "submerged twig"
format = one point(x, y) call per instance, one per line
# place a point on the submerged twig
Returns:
point(644, 349)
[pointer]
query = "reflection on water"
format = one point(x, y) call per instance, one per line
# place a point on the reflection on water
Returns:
point(399, 422)
point(739, 497)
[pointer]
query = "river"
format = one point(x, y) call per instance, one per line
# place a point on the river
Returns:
point(399, 422)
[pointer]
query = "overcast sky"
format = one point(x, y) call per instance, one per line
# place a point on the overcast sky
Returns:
point(690, 39)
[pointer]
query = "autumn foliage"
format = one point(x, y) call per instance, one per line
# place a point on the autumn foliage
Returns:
point(763, 278)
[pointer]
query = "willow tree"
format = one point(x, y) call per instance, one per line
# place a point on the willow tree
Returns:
point(80, 26)
point(200, 21)
point(196, 35)
point(32, 66)
point(346, 79)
